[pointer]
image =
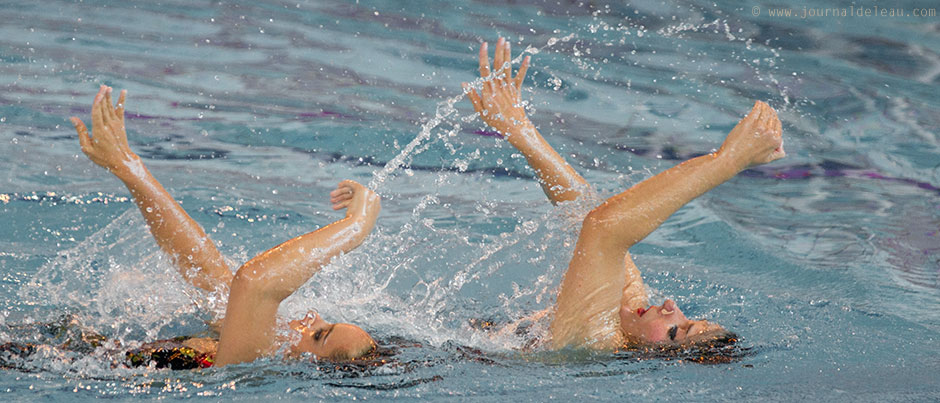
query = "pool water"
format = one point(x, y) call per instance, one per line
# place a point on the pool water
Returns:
point(827, 263)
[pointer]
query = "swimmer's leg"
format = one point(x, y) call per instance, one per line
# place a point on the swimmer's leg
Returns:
point(499, 105)
point(194, 254)
point(592, 290)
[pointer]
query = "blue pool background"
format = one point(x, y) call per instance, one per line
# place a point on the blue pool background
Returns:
point(827, 263)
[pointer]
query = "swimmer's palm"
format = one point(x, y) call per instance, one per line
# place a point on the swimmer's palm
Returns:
point(107, 146)
point(501, 109)
point(498, 101)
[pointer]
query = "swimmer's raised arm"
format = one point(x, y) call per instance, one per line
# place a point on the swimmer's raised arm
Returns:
point(194, 254)
point(499, 104)
point(627, 218)
point(593, 288)
point(260, 285)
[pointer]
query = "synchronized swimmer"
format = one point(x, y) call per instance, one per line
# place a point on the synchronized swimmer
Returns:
point(602, 302)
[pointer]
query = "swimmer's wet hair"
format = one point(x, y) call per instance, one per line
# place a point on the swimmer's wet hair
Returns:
point(371, 358)
point(362, 354)
point(723, 348)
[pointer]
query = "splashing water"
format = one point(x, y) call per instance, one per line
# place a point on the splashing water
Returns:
point(466, 236)
point(449, 283)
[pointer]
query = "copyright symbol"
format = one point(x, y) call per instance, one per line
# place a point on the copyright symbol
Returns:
point(755, 10)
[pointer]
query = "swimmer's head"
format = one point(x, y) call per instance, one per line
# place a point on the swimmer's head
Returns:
point(332, 341)
point(666, 325)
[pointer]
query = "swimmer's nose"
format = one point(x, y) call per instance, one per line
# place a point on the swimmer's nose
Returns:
point(669, 307)
point(307, 321)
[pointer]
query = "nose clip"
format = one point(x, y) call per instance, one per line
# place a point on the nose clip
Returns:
point(311, 316)
point(671, 307)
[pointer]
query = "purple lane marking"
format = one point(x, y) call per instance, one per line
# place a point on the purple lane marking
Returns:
point(144, 117)
point(488, 133)
point(323, 113)
point(793, 173)
point(801, 172)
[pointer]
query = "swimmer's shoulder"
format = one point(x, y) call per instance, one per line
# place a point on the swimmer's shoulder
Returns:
point(206, 345)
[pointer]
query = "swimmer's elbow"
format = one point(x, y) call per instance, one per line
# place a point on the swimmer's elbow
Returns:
point(608, 232)
point(252, 280)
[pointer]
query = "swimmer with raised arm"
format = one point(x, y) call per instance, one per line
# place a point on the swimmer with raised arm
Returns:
point(249, 329)
point(602, 302)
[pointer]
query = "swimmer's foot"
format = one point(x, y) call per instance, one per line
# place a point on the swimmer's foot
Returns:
point(757, 139)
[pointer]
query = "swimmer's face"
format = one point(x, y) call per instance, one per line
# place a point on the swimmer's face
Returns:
point(665, 324)
point(334, 341)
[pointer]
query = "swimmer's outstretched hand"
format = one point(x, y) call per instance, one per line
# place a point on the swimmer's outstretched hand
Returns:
point(108, 146)
point(359, 201)
point(498, 101)
point(757, 139)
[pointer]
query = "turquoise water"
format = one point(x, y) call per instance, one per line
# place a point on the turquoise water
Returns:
point(827, 263)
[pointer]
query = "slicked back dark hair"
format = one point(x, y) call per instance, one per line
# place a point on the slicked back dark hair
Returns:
point(722, 348)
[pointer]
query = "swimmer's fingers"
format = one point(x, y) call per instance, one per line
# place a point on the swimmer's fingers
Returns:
point(83, 138)
point(754, 115)
point(341, 193)
point(499, 56)
point(108, 117)
point(767, 121)
point(778, 128)
point(357, 199)
point(484, 61)
point(520, 75)
point(474, 97)
point(344, 193)
point(100, 95)
point(507, 57)
point(109, 107)
point(505, 68)
point(120, 106)
point(97, 115)
point(341, 205)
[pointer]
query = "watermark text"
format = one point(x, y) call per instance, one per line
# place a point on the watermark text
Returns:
point(850, 11)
